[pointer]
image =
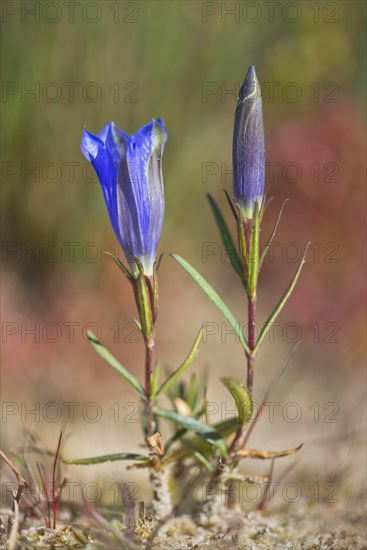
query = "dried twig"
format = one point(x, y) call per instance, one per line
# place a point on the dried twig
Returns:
point(12, 542)
point(16, 499)
point(20, 479)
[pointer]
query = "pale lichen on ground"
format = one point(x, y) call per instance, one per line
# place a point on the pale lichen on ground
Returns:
point(320, 527)
point(300, 527)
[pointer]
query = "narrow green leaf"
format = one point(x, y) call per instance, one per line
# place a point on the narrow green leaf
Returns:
point(107, 458)
point(154, 379)
point(157, 264)
point(214, 297)
point(242, 397)
point(205, 406)
point(143, 301)
point(115, 364)
point(235, 214)
point(281, 303)
point(155, 295)
point(137, 322)
point(119, 264)
point(226, 238)
point(224, 428)
point(177, 373)
point(227, 427)
point(253, 260)
point(243, 245)
point(193, 425)
point(266, 247)
point(196, 444)
point(192, 394)
point(182, 431)
point(204, 461)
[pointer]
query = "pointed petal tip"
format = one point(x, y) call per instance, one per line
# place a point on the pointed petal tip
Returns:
point(251, 86)
point(89, 144)
point(160, 129)
point(251, 71)
point(160, 123)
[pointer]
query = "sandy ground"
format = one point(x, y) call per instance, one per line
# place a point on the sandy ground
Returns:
point(300, 527)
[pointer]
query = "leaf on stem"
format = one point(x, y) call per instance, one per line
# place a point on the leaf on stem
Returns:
point(242, 397)
point(177, 373)
point(235, 214)
point(137, 322)
point(215, 298)
point(154, 378)
point(182, 407)
point(243, 244)
point(226, 238)
point(119, 263)
point(202, 458)
point(107, 458)
point(227, 427)
point(143, 300)
point(209, 433)
point(281, 303)
point(253, 253)
point(266, 247)
point(115, 364)
point(258, 453)
point(224, 428)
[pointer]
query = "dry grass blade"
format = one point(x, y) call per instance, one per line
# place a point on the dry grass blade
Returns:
point(56, 495)
point(125, 541)
point(43, 486)
point(257, 416)
point(38, 499)
point(258, 453)
point(138, 465)
point(272, 235)
point(20, 479)
point(265, 496)
point(246, 478)
point(12, 542)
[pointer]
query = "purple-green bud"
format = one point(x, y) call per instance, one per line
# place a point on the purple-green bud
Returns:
point(249, 146)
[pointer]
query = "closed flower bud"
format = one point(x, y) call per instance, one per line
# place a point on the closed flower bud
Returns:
point(249, 146)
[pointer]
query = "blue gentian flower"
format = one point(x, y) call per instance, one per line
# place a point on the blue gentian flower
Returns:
point(249, 146)
point(129, 169)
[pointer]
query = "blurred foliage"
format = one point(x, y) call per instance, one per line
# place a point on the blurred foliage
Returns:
point(167, 60)
point(170, 53)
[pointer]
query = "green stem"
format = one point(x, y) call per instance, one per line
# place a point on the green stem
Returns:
point(149, 351)
point(145, 296)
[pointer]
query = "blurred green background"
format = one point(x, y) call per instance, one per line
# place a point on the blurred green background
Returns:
point(67, 66)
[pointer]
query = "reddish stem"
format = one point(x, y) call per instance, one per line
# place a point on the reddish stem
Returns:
point(55, 500)
point(251, 338)
point(251, 316)
point(47, 514)
point(251, 341)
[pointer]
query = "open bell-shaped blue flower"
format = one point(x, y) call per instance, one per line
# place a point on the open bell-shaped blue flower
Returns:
point(129, 169)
